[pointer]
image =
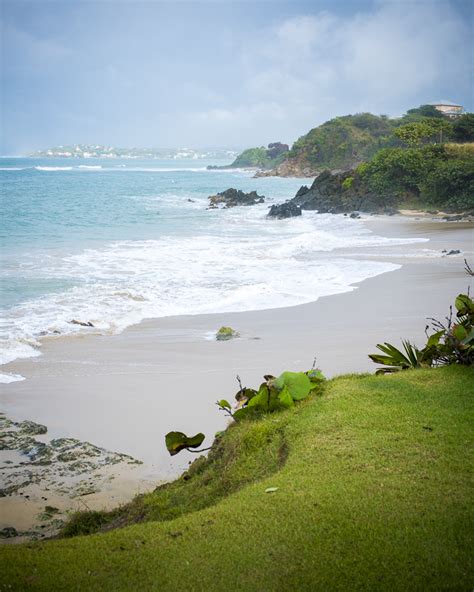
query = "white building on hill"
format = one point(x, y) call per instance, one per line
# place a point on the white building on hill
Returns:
point(448, 108)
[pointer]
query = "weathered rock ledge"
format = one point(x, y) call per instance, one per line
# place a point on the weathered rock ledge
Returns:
point(45, 476)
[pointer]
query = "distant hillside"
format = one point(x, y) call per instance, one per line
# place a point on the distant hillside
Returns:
point(342, 142)
point(259, 158)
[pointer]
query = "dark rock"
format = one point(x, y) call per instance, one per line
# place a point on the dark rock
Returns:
point(453, 218)
point(8, 532)
point(453, 252)
point(81, 323)
point(355, 215)
point(330, 193)
point(234, 197)
point(288, 209)
point(32, 428)
point(301, 191)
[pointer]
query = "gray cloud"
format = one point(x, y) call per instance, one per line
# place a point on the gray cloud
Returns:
point(225, 73)
point(307, 69)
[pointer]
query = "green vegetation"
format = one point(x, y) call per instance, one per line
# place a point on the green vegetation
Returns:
point(366, 487)
point(451, 343)
point(431, 175)
point(343, 141)
point(274, 394)
point(177, 441)
point(263, 158)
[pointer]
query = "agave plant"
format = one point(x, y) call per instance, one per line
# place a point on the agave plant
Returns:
point(397, 360)
point(451, 343)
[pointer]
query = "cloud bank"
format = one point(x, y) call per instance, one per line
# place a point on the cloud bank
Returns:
point(209, 74)
point(308, 69)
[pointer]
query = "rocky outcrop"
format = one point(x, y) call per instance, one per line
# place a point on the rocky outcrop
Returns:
point(334, 193)
point(38, 470)
point(339, 193)
point(289, 168)
point(234, 197)
point(285, 210)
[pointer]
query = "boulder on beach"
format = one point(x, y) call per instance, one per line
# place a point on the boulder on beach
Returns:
point(226, 333)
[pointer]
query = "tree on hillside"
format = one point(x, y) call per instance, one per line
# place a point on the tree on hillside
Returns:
point(425, 111)
point(422, 132)
point(463, 128)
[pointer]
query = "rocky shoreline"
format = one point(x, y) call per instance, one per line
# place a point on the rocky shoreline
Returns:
point(341, 193)
point(48, 475)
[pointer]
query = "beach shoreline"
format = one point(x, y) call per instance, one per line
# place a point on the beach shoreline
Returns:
point(124, 392)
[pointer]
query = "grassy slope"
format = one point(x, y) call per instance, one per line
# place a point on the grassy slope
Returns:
point(369, 499)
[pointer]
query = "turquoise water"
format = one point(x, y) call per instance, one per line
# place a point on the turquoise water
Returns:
point(54, 207)
point(112, 242)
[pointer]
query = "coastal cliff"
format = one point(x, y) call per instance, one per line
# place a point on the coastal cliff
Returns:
point(429, 177)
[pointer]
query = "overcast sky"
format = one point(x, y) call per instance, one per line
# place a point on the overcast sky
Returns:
point(221, 72)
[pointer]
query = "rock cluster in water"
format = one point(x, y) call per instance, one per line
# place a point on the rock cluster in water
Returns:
point(234, 197)
point(285, 210)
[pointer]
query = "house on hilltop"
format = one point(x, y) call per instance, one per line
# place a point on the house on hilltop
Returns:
point(448, 108)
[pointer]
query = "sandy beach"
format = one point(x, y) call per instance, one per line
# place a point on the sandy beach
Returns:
point(124, 392)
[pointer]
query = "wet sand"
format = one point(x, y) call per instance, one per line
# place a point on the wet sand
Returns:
point(124, 392)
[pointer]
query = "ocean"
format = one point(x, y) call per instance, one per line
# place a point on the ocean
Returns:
point(111, 242)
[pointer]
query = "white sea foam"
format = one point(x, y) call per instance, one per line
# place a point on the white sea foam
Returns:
point(152, 169)
point(8, 378)
point(52, 168)
point(244, 262)
point(90, 167)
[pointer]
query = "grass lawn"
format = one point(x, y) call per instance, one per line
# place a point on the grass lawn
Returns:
point(374, 483)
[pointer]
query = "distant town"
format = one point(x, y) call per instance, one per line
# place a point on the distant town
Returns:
point(97, 151)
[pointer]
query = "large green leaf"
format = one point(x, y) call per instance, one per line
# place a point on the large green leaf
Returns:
point(297, 383)
point(459, 332)
point(285, 399)
point(468, 338)
point(434, 339)
point(464, 304)
point(177, 441)
point(262, 399)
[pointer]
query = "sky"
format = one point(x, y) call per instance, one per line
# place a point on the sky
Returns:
point(214, 73)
